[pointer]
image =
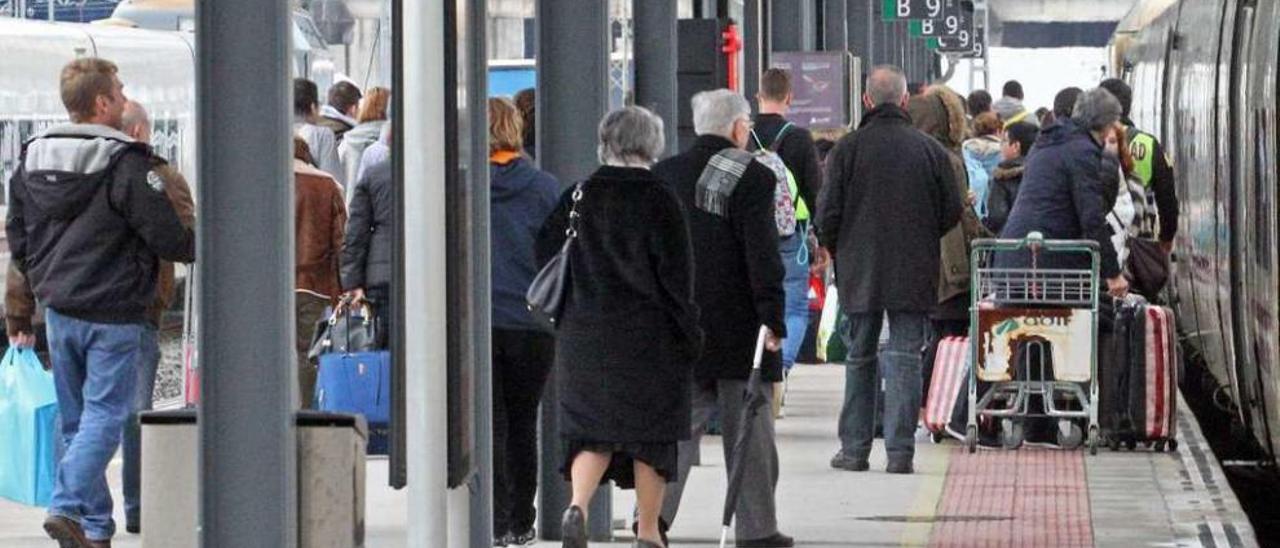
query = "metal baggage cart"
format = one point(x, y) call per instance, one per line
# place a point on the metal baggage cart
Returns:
point(1022, 317)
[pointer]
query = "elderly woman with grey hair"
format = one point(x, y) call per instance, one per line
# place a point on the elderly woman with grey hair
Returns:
point(1062, 192)
point(628, 334)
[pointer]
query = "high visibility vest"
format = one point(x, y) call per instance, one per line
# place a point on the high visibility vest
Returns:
point(1142, 146)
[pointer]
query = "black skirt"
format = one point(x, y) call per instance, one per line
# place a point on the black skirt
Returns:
point(661, 456)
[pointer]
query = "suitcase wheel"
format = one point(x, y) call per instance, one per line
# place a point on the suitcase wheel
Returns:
point(1173, 445)
point(1011, 434)
point(1113, 443)
point(1131, 445)
point(936, 437)
point(1158, 446)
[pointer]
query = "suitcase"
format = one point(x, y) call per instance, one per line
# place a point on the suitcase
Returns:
point(356, 382)
point(947, 385)
point(1140, 388)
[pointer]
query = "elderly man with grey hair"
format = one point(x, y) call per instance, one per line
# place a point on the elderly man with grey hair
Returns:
point(1061, 195)
point(729, 198)
point(890, 196)
point(626, 340)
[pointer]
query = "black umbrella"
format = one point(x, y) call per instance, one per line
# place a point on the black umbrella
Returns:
point(755, 400)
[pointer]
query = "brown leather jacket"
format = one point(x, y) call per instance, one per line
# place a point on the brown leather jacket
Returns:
point(20, 302)
point(320, 216)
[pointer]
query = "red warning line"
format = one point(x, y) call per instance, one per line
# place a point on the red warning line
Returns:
point(1028, 497)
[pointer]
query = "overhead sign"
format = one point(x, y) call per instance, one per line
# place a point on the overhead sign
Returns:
point(894, 10)
point(979, 44)
point(962, 40)
point(817, 86)
point(946, 24)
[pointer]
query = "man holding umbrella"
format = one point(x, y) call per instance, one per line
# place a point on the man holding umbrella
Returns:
point(738, 287)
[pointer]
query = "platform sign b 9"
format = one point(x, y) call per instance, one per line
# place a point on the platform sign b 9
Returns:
point(894, 10)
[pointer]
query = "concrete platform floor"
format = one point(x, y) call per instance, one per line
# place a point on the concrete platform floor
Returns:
point(1031, 497)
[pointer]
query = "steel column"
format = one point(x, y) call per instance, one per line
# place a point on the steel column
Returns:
point(573, 55)
point(835, 19)
point(248, 451)
point(756, 47)
point(481, 514)
point(420, 151)
point(655, 51)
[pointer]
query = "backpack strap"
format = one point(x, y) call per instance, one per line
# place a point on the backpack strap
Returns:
point(777, 138)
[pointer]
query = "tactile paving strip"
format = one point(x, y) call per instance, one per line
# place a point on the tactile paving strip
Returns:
point(1028, 497)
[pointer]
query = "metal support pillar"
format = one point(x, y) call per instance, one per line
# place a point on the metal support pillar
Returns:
point(835, 19)
point(477, 189)
point(655, 51)
point(420, 151)
point(756, 47)
point(573, 51)
point(248, 451)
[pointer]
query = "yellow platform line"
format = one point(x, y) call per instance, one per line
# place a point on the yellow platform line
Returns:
point(934, 465)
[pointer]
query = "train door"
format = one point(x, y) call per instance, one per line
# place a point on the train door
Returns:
point(1223, 295)
point(1259, 117)
point(1250, 226)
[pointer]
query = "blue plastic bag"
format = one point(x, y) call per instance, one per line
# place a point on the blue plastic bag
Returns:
point(28, 408)
point(356, 382)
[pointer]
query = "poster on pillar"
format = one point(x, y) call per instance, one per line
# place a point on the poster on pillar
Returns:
point(896, 10)
point(817, 86)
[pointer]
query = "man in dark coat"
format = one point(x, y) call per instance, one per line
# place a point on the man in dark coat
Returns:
point(1061, 195)
point(729, 198)
point(889, 196)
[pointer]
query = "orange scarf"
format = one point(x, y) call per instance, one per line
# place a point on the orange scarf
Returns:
point(503, 157)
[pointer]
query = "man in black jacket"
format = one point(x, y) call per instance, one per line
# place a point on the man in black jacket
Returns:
point(729, 198)
point(889, 196)
point(88, 223)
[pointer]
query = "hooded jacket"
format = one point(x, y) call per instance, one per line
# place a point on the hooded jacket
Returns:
point(1061, 196)
point(520, 199)
point(981, 156)
point(352, 147)
point(1011, 111)
point(940, 114)
point(890, 195)
point(89, 221)
point(1004, 191)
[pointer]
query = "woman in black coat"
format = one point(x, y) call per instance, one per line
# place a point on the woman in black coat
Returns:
point(366, 251)
point(628, 334)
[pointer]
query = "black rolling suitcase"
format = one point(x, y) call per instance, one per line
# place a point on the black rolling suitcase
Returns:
point(1139, 360)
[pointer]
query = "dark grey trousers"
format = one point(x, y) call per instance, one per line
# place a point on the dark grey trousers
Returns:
point(756, 516)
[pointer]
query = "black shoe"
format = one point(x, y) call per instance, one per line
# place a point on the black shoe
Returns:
point(573, 528)
point(776, 540)
point(852, 464)
point(663, 527)
point(527, 538)
point(67, 532)
point(900, 466)
point(642, 543)
point(133, 527)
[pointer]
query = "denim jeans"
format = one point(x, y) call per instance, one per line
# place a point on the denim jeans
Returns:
point(900, 365)
point(796, 286)
point(148, 361)
point(94, 372)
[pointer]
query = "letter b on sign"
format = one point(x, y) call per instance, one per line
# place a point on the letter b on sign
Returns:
point(904, 8)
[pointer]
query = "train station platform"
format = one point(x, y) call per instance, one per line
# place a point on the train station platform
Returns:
point(1028, 497)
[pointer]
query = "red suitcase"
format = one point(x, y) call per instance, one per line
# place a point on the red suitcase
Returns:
point(1150, 379)
point(948, 383)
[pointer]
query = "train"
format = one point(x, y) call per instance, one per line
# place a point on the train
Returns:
point(1205, 82)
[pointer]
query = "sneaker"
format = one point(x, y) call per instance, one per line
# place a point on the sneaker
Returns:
point(851, 464)
point(67, 532)
point(527, 538)
point(776, 540)
point(900, 466)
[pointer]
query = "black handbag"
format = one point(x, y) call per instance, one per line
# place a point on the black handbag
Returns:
point(547, 293)
point(1148, 268)
point(345, 330)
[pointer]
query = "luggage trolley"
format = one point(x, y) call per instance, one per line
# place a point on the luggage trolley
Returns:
point(1033, 333)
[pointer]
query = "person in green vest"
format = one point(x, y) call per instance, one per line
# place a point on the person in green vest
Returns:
point(1153, 169)
point(794, 144)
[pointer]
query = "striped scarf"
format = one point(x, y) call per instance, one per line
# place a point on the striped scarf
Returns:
point(719, 179)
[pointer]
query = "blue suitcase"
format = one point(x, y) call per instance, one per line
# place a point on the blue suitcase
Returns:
point(356, 382)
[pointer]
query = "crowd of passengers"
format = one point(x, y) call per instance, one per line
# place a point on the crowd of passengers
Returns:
point(678, 261)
